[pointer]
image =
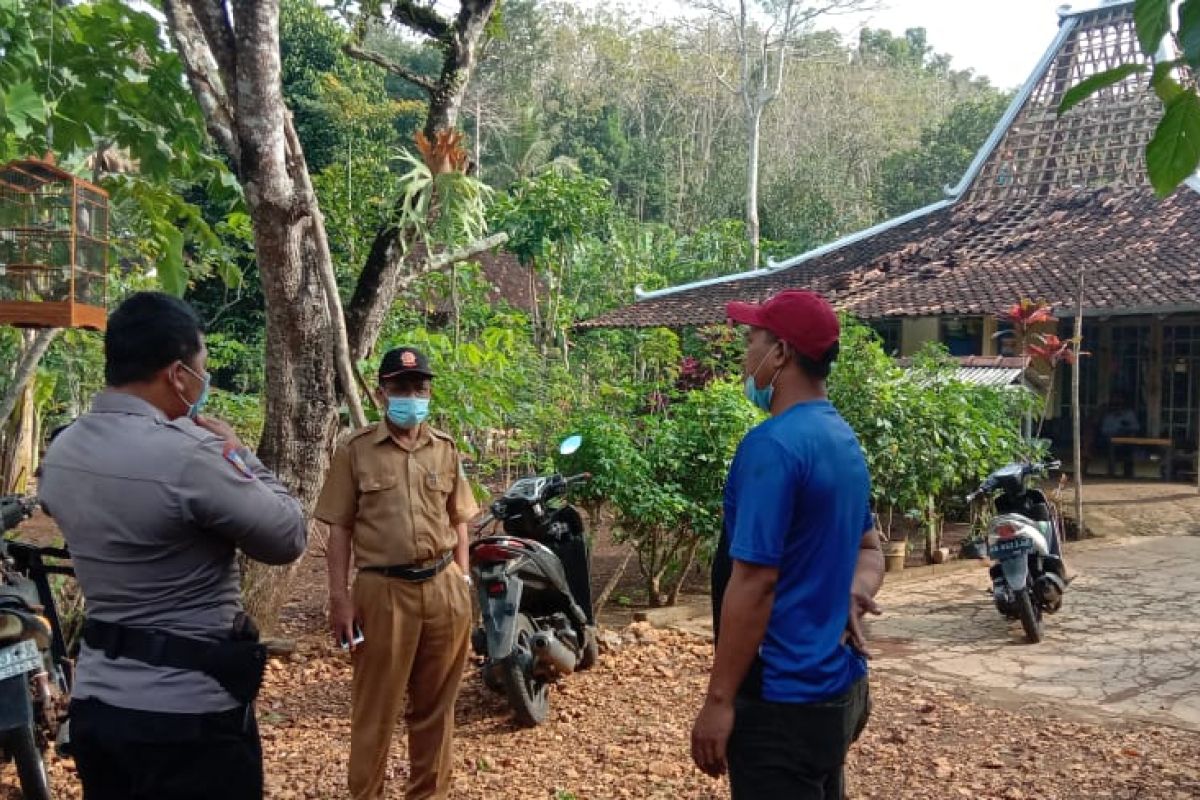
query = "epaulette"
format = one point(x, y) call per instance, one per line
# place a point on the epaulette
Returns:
point(361, 432)
point(435, 433)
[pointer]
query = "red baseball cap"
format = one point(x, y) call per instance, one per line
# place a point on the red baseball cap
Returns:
point(803, 319)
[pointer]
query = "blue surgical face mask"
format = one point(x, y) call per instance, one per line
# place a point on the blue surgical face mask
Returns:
point(761, 398)
point(195, 408)
point(407, 412)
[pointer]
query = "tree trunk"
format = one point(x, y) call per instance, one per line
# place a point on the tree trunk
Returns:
point(31, 356)
point(613, 581)
point(17, 454)
point(754, 137)
point(689, 561)
point(231, 55)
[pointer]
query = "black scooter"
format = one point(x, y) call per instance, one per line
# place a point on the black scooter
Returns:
point(534, 589)
point(36, 674)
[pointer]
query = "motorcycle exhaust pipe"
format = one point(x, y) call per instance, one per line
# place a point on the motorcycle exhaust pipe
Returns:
point(550, 652)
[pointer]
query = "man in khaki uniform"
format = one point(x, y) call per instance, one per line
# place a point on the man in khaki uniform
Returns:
point(397, 492)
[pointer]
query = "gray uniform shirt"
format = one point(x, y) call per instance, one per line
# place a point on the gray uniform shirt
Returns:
point(153, 512)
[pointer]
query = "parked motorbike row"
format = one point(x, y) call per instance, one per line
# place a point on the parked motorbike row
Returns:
point(35, 672)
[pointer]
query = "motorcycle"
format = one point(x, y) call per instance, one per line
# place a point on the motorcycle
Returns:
point(533, 583)
point(35, 672)
point(1024, 540)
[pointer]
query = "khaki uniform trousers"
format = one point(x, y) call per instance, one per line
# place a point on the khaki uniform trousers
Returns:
point(415, 645)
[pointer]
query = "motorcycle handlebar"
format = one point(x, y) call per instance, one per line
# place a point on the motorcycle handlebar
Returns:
point(583, 476)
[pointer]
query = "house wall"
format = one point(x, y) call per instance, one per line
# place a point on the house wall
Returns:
point(915, 332)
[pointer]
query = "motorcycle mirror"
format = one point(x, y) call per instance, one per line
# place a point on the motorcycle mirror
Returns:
point(570, 444)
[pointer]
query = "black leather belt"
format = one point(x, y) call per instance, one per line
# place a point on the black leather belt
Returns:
point(407, 572)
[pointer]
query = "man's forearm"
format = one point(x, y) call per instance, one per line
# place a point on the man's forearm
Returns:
point(745, 612)
point(337, 561)
point(462, 548)
point(868, 572)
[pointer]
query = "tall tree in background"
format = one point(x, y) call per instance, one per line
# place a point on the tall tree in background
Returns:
point(764, 32)
point(231, 55)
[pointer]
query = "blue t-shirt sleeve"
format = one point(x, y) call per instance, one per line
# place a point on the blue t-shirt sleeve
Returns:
point(869, 519)
point(764, 495)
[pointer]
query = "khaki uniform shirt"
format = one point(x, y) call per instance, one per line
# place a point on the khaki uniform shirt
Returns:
point(401, 501)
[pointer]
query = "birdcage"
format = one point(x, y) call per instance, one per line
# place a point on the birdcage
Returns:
point(53, 248)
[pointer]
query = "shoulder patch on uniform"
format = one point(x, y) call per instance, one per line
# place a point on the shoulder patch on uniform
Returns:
point(234, 456)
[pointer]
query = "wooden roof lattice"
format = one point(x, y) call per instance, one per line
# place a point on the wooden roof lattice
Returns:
point(1099, 142)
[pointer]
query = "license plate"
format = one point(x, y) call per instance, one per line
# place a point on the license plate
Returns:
point(1006, 548)
point(20, 658)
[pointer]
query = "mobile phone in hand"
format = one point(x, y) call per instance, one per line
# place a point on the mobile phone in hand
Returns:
point(357, 639)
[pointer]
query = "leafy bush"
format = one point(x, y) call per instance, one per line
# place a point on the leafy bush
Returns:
point(926, 435)
point(663, 475)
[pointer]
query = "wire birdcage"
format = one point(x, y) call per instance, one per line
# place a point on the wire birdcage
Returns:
point(53, 248)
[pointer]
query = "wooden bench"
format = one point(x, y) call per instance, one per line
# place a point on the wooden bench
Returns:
point(1140, 441)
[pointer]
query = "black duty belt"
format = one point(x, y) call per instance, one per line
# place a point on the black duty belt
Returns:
point(408, 572)
point(237, 663)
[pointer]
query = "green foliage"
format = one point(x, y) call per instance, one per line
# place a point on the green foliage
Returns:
point(242, 411)
point(926, 435)
point(914, 178)
point(663, 474)
point(449, 208)
point(548, 215)
point(340, 105)
point(108, 82)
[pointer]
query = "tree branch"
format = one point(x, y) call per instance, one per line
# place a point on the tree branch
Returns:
point(400, 71)
point(422, 19)
point(218, 31)
point(26, 370)
point(200, 63)
point(445, 259)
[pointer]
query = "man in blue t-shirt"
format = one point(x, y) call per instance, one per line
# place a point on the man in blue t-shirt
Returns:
point(797, 568)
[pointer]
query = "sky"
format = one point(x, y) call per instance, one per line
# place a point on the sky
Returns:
point(1002, 39)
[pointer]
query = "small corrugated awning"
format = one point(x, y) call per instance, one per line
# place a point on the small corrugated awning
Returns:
point(989, 376)
point(997, 371)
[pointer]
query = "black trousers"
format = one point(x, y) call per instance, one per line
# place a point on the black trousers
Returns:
point(122, 754)
point(791, 751)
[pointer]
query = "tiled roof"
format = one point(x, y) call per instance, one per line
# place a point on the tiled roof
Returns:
point(1138, 254)
point(1048, 195)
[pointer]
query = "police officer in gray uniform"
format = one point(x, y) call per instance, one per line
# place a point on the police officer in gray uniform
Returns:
point(154, 501)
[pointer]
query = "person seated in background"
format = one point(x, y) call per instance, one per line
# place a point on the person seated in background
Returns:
point(1118, 419)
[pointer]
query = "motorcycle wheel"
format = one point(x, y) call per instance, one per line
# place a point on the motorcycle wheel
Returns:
point(528, 695)
point(31, 767)
point(491, 680)
point(1030, 620)
point(591, 648)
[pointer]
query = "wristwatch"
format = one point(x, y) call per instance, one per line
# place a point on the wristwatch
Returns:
point(467, 578)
